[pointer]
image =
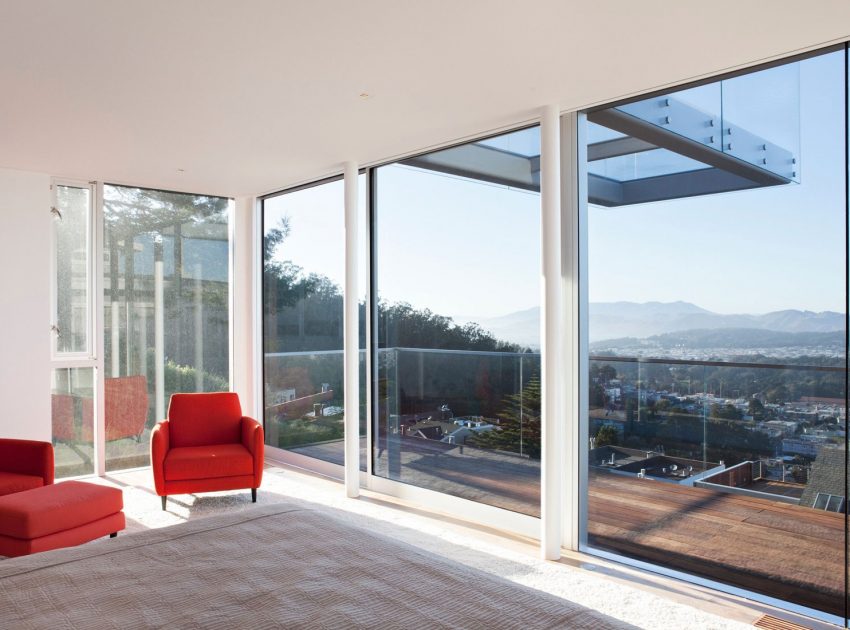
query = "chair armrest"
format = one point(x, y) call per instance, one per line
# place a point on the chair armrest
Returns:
point(160, 444)
point(253, 440)
point(27, 457)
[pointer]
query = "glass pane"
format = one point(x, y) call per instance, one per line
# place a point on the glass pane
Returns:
point(73, 250)
point(761, 119)
point(303, 277)
point(166, 318)
point(695, 113)
point(72, 404)
point(651, 163)
point(731, 135)
point(716, 418)
point(457, 396)
point(525, 142)
point(303, 281)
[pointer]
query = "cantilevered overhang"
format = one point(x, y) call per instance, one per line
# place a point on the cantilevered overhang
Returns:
point(652, 150)
point(484, 163)
point(712, 156)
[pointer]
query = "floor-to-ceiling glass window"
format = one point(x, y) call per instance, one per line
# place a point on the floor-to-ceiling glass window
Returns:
point(303, 283)
point(73, 377)
point(166, 291)
point(715, 424)
point(456, 393)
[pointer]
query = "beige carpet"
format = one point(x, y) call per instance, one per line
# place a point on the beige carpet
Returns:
point(284, 566)
point(487, 551)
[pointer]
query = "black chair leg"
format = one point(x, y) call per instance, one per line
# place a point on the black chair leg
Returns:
point(113, 535)
point(163, 502)
point(253, 495)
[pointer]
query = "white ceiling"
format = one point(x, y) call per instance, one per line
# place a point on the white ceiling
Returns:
point(252, 95)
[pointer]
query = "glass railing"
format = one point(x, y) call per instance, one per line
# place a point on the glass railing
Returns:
point(731, 471)
point(304, 404)
point(754, 118)
point(460, 422)
point(463, 423)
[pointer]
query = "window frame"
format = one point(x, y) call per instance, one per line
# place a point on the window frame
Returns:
point(579, 362)
point(88, 356)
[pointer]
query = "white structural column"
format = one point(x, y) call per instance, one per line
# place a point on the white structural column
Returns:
point(351, 336)
point(550, 326)
point(574, 359)
point(245, 296)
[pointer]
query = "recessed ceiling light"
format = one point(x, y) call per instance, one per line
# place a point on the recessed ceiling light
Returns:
point(180, 170)
point(365, 95)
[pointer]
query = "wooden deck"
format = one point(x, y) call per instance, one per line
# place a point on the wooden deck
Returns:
point(777, 549)
point(784, 551)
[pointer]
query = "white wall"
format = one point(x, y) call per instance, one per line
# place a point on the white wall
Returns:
point(25, 225)
point(244, 296)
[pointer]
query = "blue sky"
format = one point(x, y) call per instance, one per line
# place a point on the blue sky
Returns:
point(745, 252)
point(458, 247)
point(471, 250)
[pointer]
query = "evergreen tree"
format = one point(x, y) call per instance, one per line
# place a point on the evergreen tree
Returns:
point(519, 429)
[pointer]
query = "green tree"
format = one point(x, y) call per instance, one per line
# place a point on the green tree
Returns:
point(606, 435)
point(726, 412)
point(602, 372)
point(755, 409)
point(519, 429)
point(407, 327)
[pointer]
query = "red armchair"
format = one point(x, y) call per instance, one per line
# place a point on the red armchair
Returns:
point(206, 445)
point(24, 465)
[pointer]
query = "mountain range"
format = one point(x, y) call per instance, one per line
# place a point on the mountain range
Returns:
point(617, 320)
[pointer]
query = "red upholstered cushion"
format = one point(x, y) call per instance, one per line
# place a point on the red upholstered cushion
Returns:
point(201, 419)
point(207, 462)
point(14, 482)
point(27, 457)
point(56, 508)
point(67, 538)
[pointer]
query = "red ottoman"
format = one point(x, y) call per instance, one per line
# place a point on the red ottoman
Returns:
point(60, 515)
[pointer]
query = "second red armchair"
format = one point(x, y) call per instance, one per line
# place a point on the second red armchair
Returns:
point(206, 445)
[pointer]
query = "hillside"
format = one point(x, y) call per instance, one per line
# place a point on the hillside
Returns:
point(618, 320)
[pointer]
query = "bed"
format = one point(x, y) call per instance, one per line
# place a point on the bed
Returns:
point(282, 565)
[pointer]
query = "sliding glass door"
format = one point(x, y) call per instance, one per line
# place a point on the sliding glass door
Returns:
point(303, 282)
point(456, 341)
point(715, 423)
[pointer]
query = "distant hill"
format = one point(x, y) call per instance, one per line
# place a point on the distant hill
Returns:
point(521, 327)
point(742, 338)
point(627, 319)
point(617, 320)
